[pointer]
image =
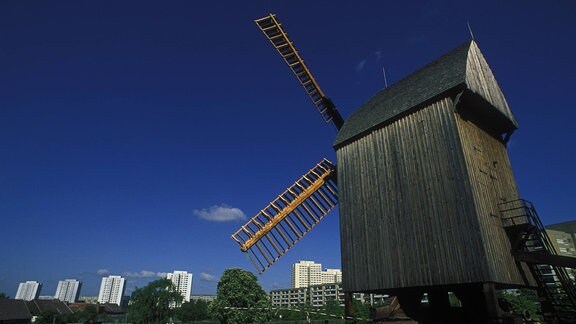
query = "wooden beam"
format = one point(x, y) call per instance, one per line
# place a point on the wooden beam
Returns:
point(540, 258)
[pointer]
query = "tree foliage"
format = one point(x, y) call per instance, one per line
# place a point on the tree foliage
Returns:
point(193, 311)
point(240, 290)
point(151, 304)
point(52, 316)
point(3, 296)
point(523, 301)
point(88, 314)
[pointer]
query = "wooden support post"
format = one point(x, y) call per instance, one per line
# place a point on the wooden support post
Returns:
point(491, 301)
point(349, 308)
point(439, 304)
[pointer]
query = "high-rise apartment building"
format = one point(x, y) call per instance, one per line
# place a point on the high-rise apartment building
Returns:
point(112, 290)
point(331, 276)
point(182, 280)
point(306, 273)
point(68, 290)
point(28, 290)
point(309, 273)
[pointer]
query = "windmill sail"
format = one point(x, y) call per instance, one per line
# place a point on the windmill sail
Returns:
point(279, 39)
point(275, 229)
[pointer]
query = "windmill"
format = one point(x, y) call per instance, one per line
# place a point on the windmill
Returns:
point(287, 219)
point(427, 198)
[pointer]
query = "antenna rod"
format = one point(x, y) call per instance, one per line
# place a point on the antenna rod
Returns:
point(470, 30)
point(385, 80)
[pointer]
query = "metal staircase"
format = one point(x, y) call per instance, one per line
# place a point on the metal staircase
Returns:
point(531, 244)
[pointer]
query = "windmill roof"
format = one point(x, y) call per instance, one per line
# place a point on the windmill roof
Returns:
point(463, 68)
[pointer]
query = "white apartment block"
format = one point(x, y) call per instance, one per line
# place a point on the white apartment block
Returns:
point(205, 298)
point(306, 273)
point(309, 273)
point(330, 276)
point(182, 280)
point(318, 296)
point(290, 297)
point(112, 290)
point(28, 290)
point(68, 290)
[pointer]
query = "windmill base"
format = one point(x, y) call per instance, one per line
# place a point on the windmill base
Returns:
point(478, 305)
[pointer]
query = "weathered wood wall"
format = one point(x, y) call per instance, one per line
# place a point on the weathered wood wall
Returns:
point(481, 80)
point(408, 210)
point(492, 182)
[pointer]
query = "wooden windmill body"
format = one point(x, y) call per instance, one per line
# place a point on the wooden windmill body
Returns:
point(427, 198)
point(422, 167)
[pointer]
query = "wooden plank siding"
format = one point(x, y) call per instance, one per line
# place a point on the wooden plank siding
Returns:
point(492, 182)
point(481, 80)
point(409, 208)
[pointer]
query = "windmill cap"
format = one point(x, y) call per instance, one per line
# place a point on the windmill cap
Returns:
point(462, 69)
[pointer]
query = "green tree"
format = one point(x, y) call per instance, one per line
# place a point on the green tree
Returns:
point(240, 299)
point(89, 314)
point(361, 310)
point(292, 314)
point(51, 316)
point(333, 309)
point(3, 296)
point(193, 311)
point(151, 304)
point(522, 301)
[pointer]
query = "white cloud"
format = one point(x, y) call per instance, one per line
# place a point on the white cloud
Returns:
point(207, 277)
point(144, 274)
point(222, 213)
point(103, 272)
point(361, 65)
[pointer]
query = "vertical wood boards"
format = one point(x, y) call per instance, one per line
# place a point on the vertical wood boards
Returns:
point(492, 182)
point(481, 80)
point(412, 214)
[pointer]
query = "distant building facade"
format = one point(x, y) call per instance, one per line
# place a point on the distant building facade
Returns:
point(329, 276)
point(306, 273)
point(563, 238)
point(182, 280)
point(112, 290)
point(28, 290)
point(309, 273)
point(68, 290)
point(318, 296)
point(46, 297)
point(206, 298)
point(88, 299)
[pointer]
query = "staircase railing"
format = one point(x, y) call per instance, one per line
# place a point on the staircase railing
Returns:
point(555, 286)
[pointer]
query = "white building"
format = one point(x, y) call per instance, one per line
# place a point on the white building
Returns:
point(28, 290)
point(112, 290)
point(306, 273)
point(331, 276)
point(319, 295)
point(309, 273)
point(182, 280)
point(68, 290)
point(205, 298)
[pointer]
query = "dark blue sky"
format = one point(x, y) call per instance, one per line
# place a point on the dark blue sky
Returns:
point(123, 122)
